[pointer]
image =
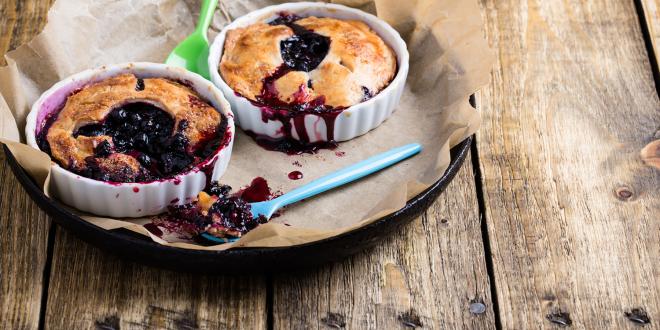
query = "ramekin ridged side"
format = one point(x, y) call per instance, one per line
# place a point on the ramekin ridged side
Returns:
point(352, 122)
point(130, 199)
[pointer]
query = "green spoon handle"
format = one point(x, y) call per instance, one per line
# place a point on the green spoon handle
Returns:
point(205, 16)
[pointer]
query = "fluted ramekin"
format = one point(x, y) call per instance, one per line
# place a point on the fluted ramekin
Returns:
point(353, 121)
point(129, 199)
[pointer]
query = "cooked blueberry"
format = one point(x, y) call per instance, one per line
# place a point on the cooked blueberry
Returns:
point(235, 213)
point(179, 142)
point(285, 19)
point(86, 172)
point(183, 124)
point(144, 159)
point(185, 211)
point(91, 130)
point(215, 188)
point(140, 85)
point(147, 124)
point(103, 176)
point(299, 107)
point(125, 128)
point(134, 118)
point(172, 162)
point(366, 93)
point(211, 147)
point(104, 149)
point(119, 114)
point(141, 141)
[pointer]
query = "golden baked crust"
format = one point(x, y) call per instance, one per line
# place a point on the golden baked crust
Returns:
point(94, 102)
point(357, 59)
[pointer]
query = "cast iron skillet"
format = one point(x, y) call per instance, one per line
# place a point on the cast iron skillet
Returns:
point(138, 248)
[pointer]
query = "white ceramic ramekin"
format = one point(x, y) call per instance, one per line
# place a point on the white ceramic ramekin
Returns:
point(352, 122)
point(129, 199)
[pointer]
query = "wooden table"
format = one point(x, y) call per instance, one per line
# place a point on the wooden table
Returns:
point(555, 219)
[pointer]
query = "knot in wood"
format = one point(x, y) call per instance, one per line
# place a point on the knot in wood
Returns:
point(638, 315)
point(624, 193)
point(334, 320)
point(563, 319)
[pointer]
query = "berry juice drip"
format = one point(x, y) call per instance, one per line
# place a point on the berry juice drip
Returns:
point(303, 51)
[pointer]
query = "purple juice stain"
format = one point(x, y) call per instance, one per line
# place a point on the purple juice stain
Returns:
point(295, 175)
point(303, 51)
point(153, 228)
point(257, 191)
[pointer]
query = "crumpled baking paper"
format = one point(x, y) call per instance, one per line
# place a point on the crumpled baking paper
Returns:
point(450, 60)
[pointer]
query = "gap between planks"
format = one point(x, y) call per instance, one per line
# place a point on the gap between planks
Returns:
point(566, 249)
point(648, 12)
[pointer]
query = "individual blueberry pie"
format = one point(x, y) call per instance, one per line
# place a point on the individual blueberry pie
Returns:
point(292, 66)
point(127, 129)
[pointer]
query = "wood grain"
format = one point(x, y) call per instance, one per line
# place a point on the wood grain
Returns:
point(427, 276)
point(572, 211)
point(89, 288)
point(19, 21)
point(651, 10)
point(23, 226)
point(571, 208)
point(23, 253)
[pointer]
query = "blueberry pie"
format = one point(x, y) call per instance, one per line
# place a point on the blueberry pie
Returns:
point(292, 66)
point(128, 129)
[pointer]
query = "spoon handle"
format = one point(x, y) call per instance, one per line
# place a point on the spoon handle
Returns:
point(205, 15)
point(349, 174)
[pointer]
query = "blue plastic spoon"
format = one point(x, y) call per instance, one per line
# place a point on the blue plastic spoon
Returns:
point(330, 181)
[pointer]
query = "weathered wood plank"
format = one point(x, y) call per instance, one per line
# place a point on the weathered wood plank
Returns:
point(89, 288)
point(652, 16)
point(428, 276)
point(23, 227)
point(23, 253)
point(572, 211)
point(20, 21)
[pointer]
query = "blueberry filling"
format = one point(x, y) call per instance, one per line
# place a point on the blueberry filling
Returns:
point(234, 214)
point(285, 18)
point(367, 94)
point(147, 133)
point(217, 189)
point(104, 149)
point(304, 52)
point(230, 215)
point(96, 171)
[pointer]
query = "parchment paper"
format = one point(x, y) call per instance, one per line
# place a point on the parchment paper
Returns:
point(449, 61)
